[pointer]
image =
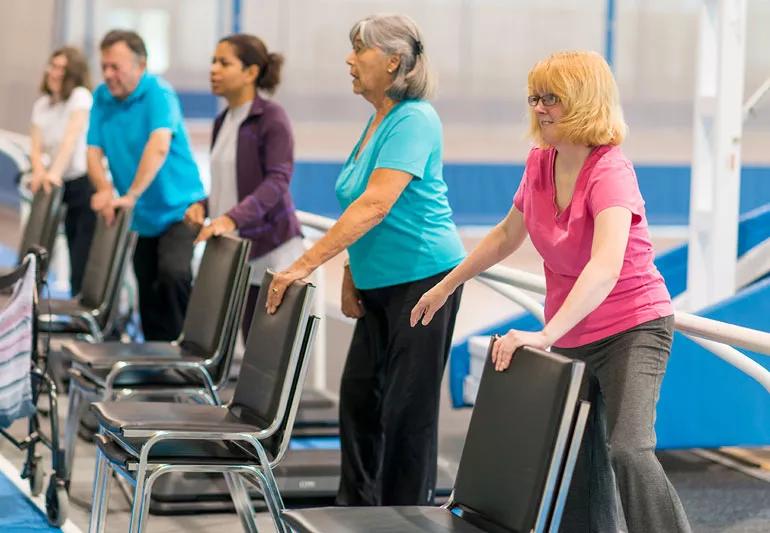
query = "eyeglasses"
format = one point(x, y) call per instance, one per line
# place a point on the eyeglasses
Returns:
point(547, 99)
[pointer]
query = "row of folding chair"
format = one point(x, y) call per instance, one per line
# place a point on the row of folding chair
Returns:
point(514, 474)
point(516, 465)
point(244, 439)
point(195, 366)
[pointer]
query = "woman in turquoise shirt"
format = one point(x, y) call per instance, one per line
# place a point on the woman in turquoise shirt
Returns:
point(398, 230)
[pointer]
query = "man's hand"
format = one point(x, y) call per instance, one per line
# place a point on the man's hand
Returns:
point(101, 199)
point(127, 201)
point(101, 202)
point(195, 215)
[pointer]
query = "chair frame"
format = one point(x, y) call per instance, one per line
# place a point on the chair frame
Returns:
point(143, 473)
point(104, 388)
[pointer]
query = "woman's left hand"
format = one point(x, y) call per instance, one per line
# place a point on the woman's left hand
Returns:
point(280, 283)
point(502, 351)
point(218, 226)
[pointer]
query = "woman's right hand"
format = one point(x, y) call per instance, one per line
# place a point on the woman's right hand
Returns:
point(352, 306)
point(36, 181)
point(195, 215)
point(431, 301)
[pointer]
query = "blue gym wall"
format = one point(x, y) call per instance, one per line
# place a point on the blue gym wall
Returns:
point(480, 194)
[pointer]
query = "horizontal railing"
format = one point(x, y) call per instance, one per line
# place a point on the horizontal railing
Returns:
point(717, 337)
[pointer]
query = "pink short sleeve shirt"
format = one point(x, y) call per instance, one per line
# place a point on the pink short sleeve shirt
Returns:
point(564, 241)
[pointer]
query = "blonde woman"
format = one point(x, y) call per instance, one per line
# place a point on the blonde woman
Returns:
point(606, 303)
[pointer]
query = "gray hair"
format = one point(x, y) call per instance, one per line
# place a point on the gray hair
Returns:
point(398, 34)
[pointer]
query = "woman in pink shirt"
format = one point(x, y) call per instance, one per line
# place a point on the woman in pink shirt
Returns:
point(606, 303)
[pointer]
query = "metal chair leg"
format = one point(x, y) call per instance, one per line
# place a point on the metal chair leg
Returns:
point(241, 500)
point(100, 493)
point(74, 413)
point(272, 500)
point(136, 523)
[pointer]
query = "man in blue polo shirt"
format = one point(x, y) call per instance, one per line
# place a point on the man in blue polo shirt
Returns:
point(136, 123)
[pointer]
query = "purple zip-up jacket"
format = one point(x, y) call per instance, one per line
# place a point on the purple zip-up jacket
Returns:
point(265, 212)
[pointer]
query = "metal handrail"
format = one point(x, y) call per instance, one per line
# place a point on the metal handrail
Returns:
point(715, 336)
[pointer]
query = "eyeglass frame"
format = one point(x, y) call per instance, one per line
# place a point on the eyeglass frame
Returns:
point(533, 99)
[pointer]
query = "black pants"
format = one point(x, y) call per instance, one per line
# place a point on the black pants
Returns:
point(163, 271)
point(79, 226)
point(389, 398)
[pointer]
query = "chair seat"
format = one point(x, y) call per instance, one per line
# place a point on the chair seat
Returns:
point(63, 316)
point(180, 452)
point(104, 355)
point(150, 380)
point(71, 306)
point(377, 520)
point(118, 417)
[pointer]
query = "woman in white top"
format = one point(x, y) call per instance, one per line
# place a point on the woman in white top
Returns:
point(58, 149)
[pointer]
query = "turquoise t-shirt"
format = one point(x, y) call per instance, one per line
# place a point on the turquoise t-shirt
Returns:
point(121, 128)
point(417, 238)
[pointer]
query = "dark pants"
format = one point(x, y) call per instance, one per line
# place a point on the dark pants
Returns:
point(624, 373)
point(79, 226)
point(163, 271)
point(389, 398)
point(248, 310)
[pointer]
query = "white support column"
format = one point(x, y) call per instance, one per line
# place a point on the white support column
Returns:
point(716, 165)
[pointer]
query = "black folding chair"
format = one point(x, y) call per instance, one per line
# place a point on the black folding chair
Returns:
point(196, 365)
point(516, 465)
point(244, 440)
point(91, 314)
point(45, 215)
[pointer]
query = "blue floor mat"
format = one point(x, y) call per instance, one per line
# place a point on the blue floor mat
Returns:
point(8, 256)
point(17, 513)
point(315, 443)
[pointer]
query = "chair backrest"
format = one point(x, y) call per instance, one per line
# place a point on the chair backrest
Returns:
point(110, 250)
point(517, 438)
point(274, 360)
point(278, 443)
point(216, 299)
point(45, 214)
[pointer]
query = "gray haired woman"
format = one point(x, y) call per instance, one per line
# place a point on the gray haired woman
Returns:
point(398, 230)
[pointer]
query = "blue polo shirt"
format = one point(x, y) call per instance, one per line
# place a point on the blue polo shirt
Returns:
point(121, 128)
point(417, 238)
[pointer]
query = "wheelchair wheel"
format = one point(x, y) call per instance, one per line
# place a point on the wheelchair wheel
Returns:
point(56, 502)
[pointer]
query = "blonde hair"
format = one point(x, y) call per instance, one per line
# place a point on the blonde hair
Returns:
point(587, 89)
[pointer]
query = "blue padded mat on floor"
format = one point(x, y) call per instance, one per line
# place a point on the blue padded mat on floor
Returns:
point(315, 443)
point(17, 513)
point(7, 256)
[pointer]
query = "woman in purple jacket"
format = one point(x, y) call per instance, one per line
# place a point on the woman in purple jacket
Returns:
point(251, 162)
